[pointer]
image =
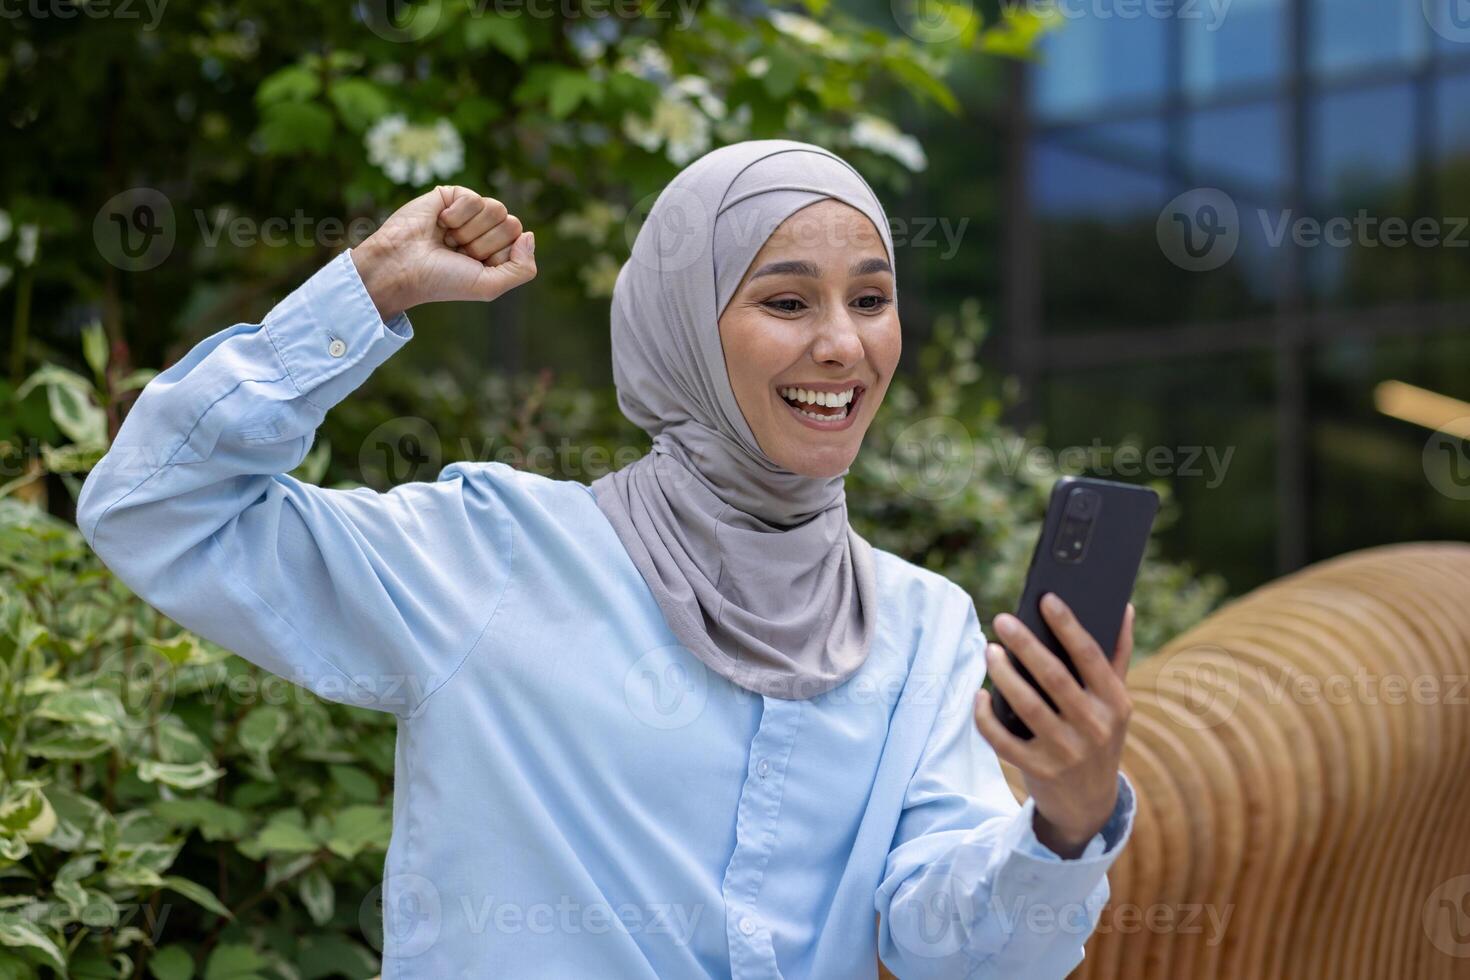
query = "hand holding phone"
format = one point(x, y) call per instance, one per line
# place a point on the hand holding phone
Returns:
point(1089, 551)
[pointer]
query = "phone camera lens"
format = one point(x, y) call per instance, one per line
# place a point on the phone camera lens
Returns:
point(1082, 504)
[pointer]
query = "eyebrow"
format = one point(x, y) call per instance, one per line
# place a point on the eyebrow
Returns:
point(801, 267)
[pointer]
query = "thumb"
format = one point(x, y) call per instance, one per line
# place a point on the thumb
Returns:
point(517, 270)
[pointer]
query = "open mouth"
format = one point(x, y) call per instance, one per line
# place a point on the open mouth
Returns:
point(826, 408)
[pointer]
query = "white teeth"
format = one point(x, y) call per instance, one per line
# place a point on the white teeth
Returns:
point(829, 399)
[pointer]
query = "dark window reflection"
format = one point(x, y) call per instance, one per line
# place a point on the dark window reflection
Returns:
point(1229, 46)
point(1210, 427)
point(1356, 34)
point(1094, 61)
point(1364, 199)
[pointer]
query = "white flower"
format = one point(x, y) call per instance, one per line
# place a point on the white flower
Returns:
point(758, 67)
point(651, 63)
point(882, 136)
point(25, 244)
point(411, 154)
point(591, 40)
point(802, 28)
point(677, 124)
point(600, 275)
point(697, 88)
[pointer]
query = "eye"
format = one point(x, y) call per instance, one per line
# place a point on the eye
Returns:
point(880, 303)
point(775, 304)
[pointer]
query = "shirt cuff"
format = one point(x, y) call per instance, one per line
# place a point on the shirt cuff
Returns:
point(329, 335)
point(1119, 825)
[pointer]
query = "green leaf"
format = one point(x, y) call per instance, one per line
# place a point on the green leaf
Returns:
point(289, 128)
point(781, 77)
point(67, 745)
point(359, 101)
point(171, 963)
point(506, 34)
point(94, 347)
point(315, 889)
point(332, 954)
point(262, 729)
point(355, 783)
point(570, 89)
point(286, 830)
point(96, 708)
point(212, 819)
point(135, 379)
point(18, 933)
point(290, 84)
point(358, 828)
point(12, 967)
point(234, 961)
point(197, 894)
point(75, 414)
point(178, 650)
point(179, 775)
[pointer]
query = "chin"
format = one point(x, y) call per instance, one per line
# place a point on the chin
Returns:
point(820, 465)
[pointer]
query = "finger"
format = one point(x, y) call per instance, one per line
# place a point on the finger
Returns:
point(1098, 673)
point(464, 207)
point(520, 268)
point(1021, 696)
point(501, 236)
point(1124, 654)
point(1017, 751)
point(1053, 676)
point(489, 215)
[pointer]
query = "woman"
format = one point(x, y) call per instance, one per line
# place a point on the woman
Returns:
point(682, 722)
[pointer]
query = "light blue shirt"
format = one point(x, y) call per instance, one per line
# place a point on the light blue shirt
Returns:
point(575, 794)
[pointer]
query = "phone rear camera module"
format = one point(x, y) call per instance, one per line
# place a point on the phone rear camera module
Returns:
point(1082, 502)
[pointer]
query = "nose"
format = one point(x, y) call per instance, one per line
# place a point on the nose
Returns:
point(838, 342)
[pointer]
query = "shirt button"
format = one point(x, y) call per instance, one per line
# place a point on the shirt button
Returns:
point(336, 348)
point(763, 767)
point(747, 926)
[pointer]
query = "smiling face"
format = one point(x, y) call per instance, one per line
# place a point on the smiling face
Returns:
point(811, 338)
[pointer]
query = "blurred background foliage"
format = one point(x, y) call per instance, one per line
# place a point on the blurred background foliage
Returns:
point(165, 810)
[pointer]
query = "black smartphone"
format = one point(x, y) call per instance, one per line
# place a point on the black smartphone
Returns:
point(1090, 548)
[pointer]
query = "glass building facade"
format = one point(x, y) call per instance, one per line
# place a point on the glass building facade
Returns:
point(1235, 229)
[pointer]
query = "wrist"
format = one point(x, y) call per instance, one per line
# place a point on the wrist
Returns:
point(1064, 842)
point(381, 277)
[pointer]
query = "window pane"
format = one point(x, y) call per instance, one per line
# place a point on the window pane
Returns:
point(1363, 198)
point(1216, 452)
point(1101, 262)
point(1091, 62)
point(1232, 45)
point(1240, 149)
point(1349, 34)
point(1452, 182)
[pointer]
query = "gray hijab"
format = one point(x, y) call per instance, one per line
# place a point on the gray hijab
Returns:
point(755, 567)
